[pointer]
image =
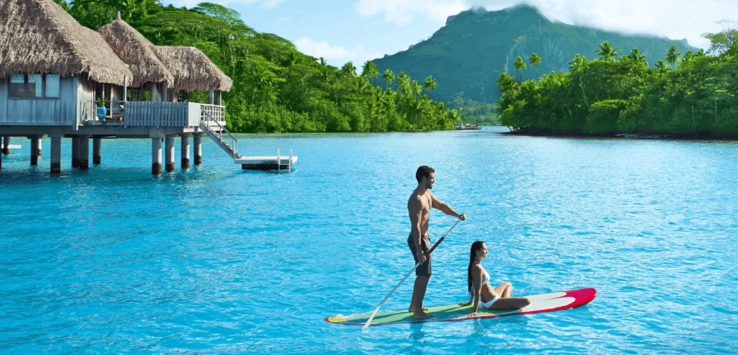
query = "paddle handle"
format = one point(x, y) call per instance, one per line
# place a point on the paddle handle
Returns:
point(440, 240)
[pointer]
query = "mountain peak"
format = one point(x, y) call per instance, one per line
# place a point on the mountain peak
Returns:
point(468, 54)
point(521, 10)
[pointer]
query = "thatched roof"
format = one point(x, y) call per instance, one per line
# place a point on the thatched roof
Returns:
point(193, 70)
point(38, 36)
point(137, 51)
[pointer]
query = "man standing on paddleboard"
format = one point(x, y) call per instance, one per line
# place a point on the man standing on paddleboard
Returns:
point(418, 206)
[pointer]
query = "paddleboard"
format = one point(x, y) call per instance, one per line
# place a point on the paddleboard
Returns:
point(549, 302)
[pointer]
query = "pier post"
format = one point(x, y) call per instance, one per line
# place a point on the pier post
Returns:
point(75, 152)
point(34, 150)
point(169, 153)
point(156, 156)
point(96, 150)
point(198, 148)
point(185, 151)
point(56, 154)
point(84, 153)
point(6, 145)
point(40, 144)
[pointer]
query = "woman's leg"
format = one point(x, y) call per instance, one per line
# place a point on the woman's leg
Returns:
point(509, 304)
point(505, 290)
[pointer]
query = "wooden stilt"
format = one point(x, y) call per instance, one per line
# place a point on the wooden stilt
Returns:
point(84, 152)
point(75, 152)
point(39, 144)
point(55, 154)
point(96, 150)
point(34, 151)
point(169, 153)
point(6, 145)
point(198, 148)
point(185, 151)
point(156, 156)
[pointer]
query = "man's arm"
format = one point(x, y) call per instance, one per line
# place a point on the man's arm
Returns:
point(416, 213)
point(446, 209)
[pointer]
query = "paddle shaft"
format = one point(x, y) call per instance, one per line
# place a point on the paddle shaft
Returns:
point(440, 240)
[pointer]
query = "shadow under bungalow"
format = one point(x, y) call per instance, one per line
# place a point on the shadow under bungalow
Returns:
point(60, 79)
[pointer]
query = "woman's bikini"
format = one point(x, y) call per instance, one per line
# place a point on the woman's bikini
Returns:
point(485, 280)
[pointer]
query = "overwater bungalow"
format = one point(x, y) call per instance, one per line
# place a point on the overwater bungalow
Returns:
point(62, 80)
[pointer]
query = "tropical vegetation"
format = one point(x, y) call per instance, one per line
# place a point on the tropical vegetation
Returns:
point(689, 94)
point(276, 87)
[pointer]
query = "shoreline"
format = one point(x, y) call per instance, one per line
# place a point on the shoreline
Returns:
point(631, 136)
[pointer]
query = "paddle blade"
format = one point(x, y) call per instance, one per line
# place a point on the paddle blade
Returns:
point(371, 318)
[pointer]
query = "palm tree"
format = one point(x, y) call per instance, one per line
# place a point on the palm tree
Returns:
point(661, 66)
point(577, 66)
point(687, 58)
point(370, 70)
point(389, 77)
point(638, 58)
point(520, 66)
point(535, 60)
point(430, 83)
point(672, 56)
point(349, 69)
point(607, 52)
point(404, 85)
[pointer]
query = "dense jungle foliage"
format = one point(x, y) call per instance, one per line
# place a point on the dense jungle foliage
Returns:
point(684, 94)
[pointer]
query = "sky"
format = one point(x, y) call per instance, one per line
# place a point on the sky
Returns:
point(359, 30)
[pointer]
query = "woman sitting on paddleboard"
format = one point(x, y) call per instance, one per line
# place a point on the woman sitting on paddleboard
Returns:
point(480, 288)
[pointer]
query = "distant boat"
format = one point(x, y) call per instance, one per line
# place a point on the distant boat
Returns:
point(468, 127)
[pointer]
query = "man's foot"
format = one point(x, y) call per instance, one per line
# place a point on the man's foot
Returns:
point(422, 315)
point(412, 310)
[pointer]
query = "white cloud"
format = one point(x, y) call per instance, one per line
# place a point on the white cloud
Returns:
point(676, 19)
point(334, 55)
point(321, 49)
point(403, 12)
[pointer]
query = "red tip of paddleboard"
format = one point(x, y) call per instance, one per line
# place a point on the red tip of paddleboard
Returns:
point(582, 296)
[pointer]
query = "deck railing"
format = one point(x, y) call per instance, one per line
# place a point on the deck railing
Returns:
point(156, 114)
point(214, 115)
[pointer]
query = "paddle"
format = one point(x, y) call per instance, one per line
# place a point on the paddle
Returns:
point(440, 240)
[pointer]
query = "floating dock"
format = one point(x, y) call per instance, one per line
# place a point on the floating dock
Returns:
point(269, 163)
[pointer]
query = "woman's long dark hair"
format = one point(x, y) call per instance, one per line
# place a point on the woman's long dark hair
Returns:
point(472, 254)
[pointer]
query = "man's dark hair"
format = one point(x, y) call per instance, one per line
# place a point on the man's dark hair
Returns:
point(423, 171)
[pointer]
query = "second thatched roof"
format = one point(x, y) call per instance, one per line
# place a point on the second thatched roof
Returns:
point(138, 52)
point(38, 36)
point(193, 70)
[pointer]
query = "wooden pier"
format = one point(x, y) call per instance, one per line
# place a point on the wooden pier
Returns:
point(62, 80)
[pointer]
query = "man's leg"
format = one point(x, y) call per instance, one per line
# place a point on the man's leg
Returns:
point(416, 306)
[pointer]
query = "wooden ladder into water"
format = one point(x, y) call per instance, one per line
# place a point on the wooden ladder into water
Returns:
point(274, 163)
point(217, 137)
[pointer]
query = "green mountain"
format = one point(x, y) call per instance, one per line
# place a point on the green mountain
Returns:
point(468, 54)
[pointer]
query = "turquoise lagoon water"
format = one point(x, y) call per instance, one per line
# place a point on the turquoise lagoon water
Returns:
point(217, 259)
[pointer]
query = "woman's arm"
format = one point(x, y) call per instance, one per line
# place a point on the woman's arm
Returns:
point(476, 288)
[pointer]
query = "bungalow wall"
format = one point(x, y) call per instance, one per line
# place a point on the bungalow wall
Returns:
point(41, 111)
